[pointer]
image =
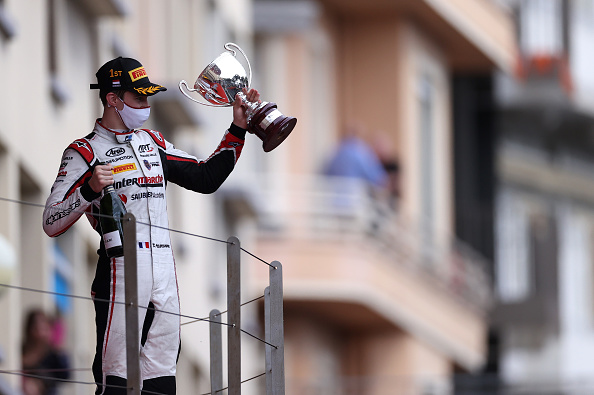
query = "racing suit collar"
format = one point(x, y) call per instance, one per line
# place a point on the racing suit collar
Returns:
point(120, 135)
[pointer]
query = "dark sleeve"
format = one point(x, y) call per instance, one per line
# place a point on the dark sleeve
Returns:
point(204, 176)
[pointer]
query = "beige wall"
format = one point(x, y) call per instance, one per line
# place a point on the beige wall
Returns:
point(371, 73)
point(341, 68)
point(421, 57)
point(175, 40)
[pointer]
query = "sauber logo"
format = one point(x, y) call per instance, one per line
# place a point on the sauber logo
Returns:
point(147, 195)
point(123, 168)
point(115, 151)
point(156, 181)
point(137, 74)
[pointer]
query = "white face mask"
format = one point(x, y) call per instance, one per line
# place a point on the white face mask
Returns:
point(133, 117)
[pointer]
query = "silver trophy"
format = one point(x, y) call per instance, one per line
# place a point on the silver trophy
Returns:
point(223, 79)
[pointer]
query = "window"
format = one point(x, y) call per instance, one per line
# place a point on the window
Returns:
point(62, 279)
point(57, 89)
point(513, 270)
point(541, 27)
point(426, 97)
point(7, 27)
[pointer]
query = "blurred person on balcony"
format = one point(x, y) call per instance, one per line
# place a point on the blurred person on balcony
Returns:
point(355, 158)
point(382, 146)
point(357, 177)
point(139, 163)
point(44, 364)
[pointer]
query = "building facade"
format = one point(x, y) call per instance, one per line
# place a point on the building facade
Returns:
point(378, 297)
point(54, 47)
point(376, 302)
point(544, 223)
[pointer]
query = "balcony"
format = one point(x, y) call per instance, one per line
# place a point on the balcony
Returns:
point(475, 34)
point(355, 262)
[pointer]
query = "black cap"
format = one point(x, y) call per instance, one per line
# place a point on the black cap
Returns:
point(125, 74)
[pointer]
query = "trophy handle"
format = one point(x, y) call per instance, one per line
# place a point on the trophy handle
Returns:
point(228, 48)
point(184, 83)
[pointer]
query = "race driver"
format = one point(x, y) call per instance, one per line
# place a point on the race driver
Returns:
point(139, 163)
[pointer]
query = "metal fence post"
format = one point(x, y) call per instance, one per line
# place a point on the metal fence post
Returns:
point(216, 352)
point(131, 306)
point(233, 316)
point(277, 331)
point(267, 347)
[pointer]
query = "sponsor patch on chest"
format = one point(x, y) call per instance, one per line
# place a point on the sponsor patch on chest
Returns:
point(123, 168)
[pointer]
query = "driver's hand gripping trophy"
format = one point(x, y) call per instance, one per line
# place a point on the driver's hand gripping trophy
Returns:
point(223, 80)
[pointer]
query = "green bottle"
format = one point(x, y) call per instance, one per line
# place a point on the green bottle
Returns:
point(112, 209)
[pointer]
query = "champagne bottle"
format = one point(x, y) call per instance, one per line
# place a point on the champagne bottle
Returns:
point(112, 209)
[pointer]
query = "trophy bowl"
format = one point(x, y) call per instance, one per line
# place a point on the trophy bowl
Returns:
point(223, 80)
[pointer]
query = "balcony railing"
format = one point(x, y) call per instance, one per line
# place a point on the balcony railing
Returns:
point(346, 212)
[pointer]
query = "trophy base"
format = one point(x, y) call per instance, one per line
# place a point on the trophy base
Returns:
point(271, 126)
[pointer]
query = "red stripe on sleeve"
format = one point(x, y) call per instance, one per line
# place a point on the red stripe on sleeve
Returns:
point(179, 159)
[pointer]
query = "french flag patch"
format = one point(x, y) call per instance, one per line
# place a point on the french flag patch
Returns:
point(143, 244)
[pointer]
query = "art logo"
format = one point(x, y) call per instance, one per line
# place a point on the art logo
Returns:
point(144, 148)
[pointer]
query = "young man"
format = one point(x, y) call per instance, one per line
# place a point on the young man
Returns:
point(139, 163)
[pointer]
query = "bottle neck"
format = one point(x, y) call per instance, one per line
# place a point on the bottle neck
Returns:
point(109, 189)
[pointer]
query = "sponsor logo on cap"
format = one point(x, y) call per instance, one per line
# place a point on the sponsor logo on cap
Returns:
point(137, 74)
point(123, 168)
point(116, 84)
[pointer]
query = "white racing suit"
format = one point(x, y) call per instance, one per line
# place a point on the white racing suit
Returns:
point(143, 162)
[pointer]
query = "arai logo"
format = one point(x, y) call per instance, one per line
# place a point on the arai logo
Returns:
point(115, 151)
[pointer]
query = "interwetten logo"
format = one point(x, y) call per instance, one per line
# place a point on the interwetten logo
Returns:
point(146, 182)
point(137, 74)
point(123, 168)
